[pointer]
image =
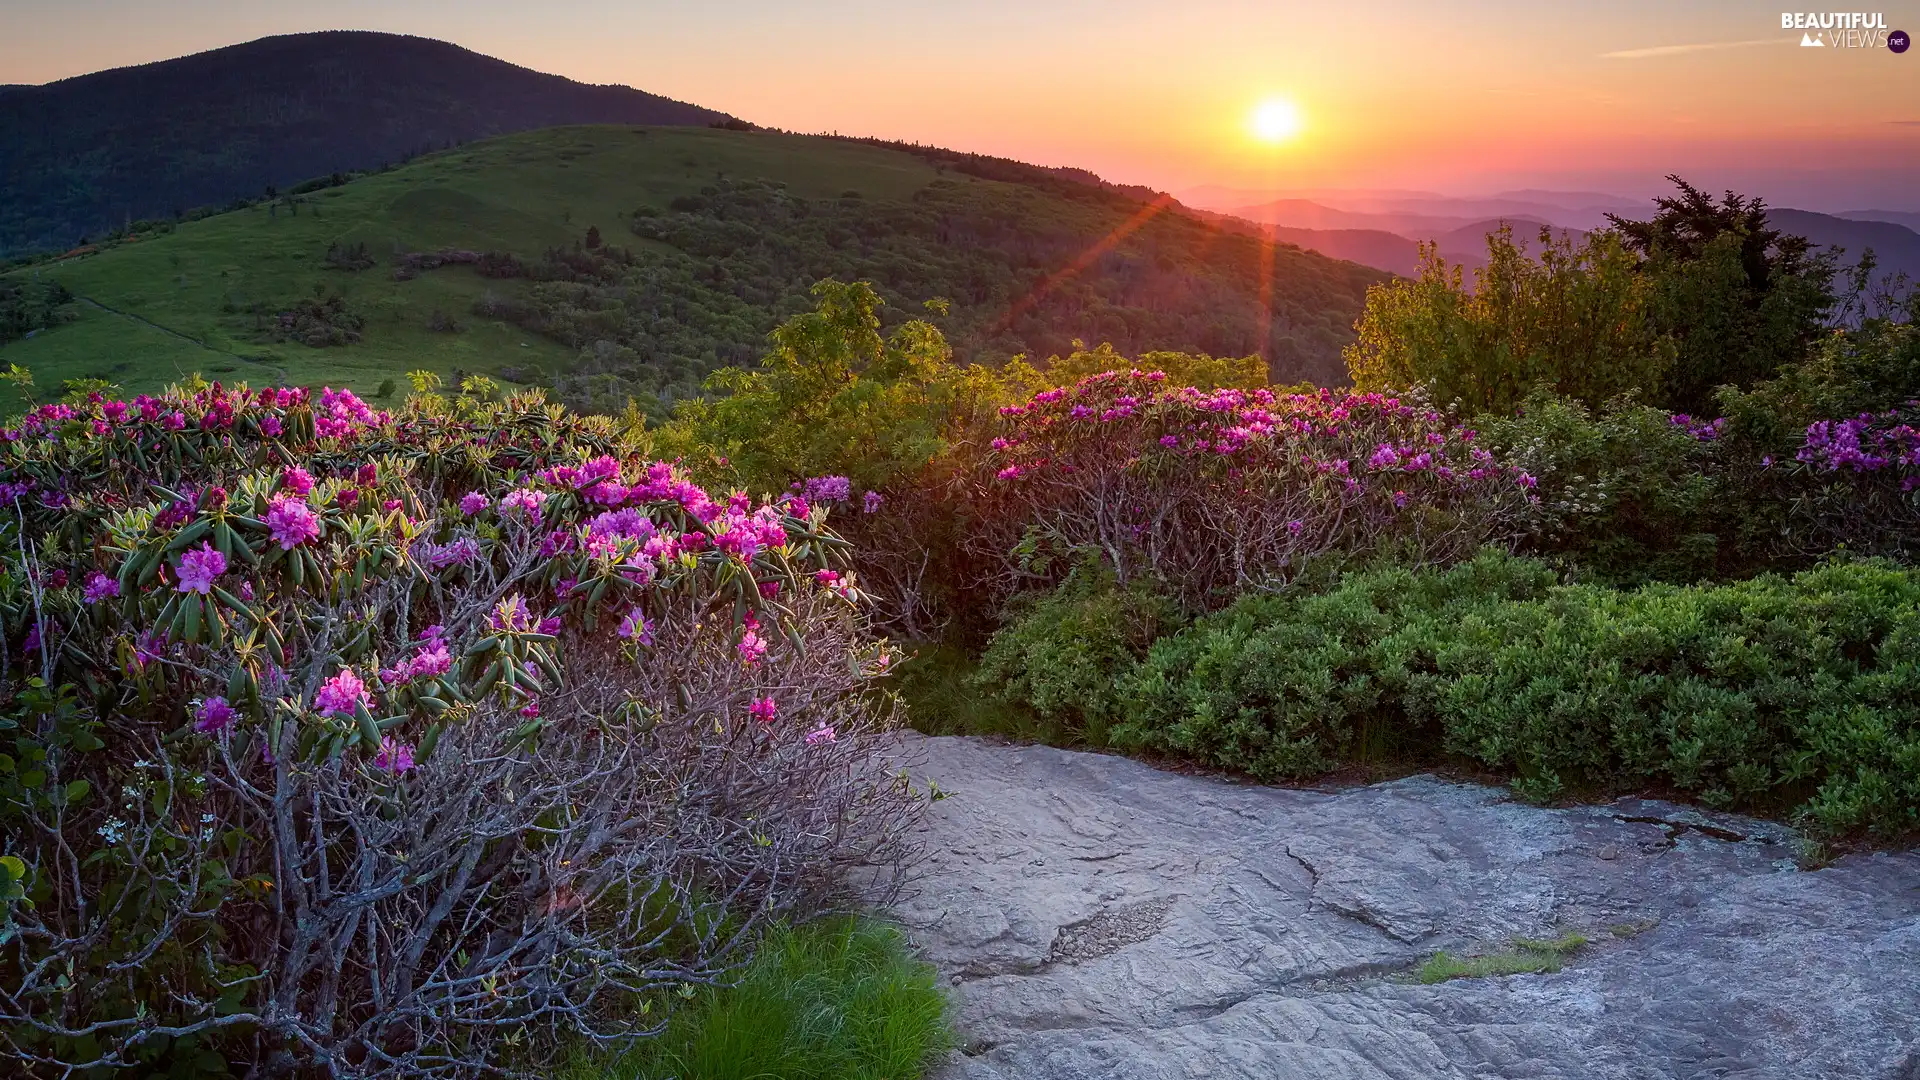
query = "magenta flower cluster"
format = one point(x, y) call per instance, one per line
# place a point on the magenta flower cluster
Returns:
point(1870, 442)
point(331, 528)
point(1214, 489)
point(292, 522)
point(340, 695)
point(199, 568)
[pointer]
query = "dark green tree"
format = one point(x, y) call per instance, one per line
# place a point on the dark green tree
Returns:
point(1737, 298)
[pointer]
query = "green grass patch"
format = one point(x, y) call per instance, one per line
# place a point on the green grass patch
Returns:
point(1527, 957)
point(841, 999)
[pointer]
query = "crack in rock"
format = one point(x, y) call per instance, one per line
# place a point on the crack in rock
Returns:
point(1355, 911)
point(1676, 829)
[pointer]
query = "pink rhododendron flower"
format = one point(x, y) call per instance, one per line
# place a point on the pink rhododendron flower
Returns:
point(394, 756)
point(100, 587)
point(271, 426)
point(292, 522)
point(339, 695)
point(531, 710)
point(214, 714)
point(524, 501)
point(297, 480)
point(822, 734)
point(199, 568)
point(473, 502)
point(872, 502)
point(638, 627)
point(765, 709)
point(752, 648)
point(432, 660)
point(459, 551)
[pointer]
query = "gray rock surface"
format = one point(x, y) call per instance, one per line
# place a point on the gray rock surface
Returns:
point(1099, 918)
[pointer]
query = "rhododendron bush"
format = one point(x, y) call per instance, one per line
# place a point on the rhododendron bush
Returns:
point(1859, 483)
point(357, 742)
point(1215, 491)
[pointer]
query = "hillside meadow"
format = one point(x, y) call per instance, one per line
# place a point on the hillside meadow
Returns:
point(635, 261)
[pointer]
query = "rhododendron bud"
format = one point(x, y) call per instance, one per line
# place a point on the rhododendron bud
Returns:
point(297, 480)
point(763, 709)
point(367, 475)
point(512, 613)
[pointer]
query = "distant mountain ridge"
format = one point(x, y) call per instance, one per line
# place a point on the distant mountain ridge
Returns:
point(1388, 237)
point(85, 154)
point(1909, 218)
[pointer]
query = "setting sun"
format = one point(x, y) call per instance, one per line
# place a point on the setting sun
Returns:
point(1277, 120)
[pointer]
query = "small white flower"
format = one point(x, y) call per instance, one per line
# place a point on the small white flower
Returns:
point(112, 830)
point(206, 819)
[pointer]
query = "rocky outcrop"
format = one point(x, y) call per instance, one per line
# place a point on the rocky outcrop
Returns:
point(1099, 918)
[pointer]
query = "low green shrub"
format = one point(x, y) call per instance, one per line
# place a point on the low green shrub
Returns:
point(1288, 685)
point(1064, 653)
point(835, 1000)
point(1769, 694)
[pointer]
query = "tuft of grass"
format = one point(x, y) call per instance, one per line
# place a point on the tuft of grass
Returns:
point(1527, 957)
point(840, 999)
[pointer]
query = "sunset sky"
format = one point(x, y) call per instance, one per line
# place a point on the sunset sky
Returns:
point(1462, 98)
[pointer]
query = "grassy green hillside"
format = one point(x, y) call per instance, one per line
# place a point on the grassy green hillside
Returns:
point(708, 238)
